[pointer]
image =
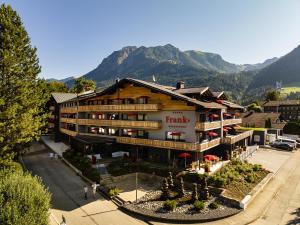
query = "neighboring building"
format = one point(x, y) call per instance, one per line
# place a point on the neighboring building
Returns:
point(273, 122)
point(289, 109)
point(157, 122)
point(53, 105)
point(254, 119)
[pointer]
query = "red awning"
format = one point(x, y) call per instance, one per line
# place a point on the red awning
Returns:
point(225, 130)
point(227, 114)
point(212, 134)
point(219, 101)
point(184, 155)
point(228, 128)
point(213, 115)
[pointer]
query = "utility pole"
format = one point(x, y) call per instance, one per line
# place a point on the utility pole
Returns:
point(136, 175)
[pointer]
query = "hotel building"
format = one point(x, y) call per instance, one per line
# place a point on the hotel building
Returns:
point(154, 121)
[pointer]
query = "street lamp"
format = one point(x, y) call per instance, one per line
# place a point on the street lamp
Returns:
point(136, 176)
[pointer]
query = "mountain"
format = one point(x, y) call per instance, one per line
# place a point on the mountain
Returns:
point(169, 65)
point(143, 62)
point(259, 66)
point(285, 69)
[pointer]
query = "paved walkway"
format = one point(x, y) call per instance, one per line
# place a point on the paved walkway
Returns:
point(58, 147)
point(67, 194)
point(277, 204)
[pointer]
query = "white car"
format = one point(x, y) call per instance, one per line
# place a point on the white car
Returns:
point(288, 141)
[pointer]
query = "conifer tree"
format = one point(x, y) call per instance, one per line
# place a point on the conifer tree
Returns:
point(22, 98)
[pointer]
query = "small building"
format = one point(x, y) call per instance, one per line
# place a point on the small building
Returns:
point(271, 122)
point(289, 109)
point(53, 106)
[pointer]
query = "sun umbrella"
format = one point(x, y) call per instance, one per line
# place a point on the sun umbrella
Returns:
point(210, 157)
point(184, 155)
point(175, 133)
point(212, 134)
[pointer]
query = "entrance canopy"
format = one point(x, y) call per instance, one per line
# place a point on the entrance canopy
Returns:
point(93, 140)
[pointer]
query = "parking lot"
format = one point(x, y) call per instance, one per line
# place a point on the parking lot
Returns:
point(270, 159)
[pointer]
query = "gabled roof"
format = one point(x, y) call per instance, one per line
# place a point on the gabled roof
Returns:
point(258, 120)
point(230, 104)
point(285, 102)
point(219, 95)
point(194, 90)
point(163, 89)
point(62, 97)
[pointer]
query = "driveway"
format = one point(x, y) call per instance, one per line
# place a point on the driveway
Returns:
point(67, 194)
point(270, 159)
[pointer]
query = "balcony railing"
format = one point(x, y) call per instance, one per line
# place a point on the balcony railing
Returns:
point(68, 120)
point(68, 110)
point(169, 144)
point(202, 126)
point(68, 132)
point(227, 122)
point(235, 138)
point(121, 123)
point(121, 108)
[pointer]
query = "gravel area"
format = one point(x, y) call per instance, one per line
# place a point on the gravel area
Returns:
point(151, 205)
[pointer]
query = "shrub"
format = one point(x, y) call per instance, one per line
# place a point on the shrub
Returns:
point(250, 178)
point(213, 205)
point(199, 205)
point(257, 167)
point(113, 192)
point(23, 198)
point(219, 181)
point(170, 205)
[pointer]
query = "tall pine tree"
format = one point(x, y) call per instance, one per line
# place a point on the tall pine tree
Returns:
point(22, 98)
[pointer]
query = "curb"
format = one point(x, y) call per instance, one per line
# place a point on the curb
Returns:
point(255, 191)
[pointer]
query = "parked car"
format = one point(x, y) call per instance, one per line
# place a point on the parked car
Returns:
point(289, 141)
point(282, 145)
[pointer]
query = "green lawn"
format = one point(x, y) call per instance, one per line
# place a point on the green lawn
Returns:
point(287, 90)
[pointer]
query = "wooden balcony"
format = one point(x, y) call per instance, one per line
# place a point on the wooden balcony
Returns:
point(122, 123)
point(68, 132)
point(121, 108)
point(68, 110)
point(235, 138)
point(203, 126)
point(68, 120)
point(186, 146)
point(227, 122)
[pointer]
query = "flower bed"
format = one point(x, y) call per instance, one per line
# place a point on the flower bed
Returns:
point(83, 164)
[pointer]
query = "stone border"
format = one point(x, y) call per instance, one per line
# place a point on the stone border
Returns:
point(173, 219)
point(255, 191)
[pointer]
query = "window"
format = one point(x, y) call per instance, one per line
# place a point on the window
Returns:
point(125, 116)
point(175, 136)
point(140, 133)
point(93, 130)
point(101, 130)
point(141, 117)
point(142, 100)
point(111, 131)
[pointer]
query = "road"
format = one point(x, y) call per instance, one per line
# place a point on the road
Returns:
point(67, 194)
point(277, 204)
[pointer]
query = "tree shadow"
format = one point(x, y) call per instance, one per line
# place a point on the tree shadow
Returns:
point(296, 220)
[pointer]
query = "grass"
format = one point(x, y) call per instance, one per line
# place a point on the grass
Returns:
point(287, 90)
point(252, 128)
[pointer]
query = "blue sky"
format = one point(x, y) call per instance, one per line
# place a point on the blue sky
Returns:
point(73, 36)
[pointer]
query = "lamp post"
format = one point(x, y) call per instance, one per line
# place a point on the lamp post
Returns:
point(136, 176)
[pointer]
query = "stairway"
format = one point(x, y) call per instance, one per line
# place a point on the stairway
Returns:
point(107, 180)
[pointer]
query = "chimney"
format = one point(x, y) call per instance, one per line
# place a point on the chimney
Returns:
point(180, 85)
